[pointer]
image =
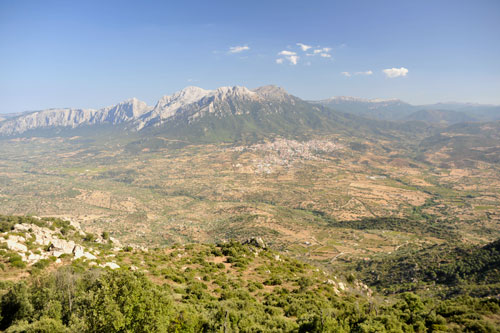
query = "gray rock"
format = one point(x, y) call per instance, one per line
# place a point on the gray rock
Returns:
point(79, 252)
point(257, 242)
point(111, 265)
point(14, 243)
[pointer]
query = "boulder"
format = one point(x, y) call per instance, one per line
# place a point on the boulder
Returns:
point(115, 241)
point(14, 244)
point(32, 258)
point(61, 246)
point(111, 265)
point(79, 252)
point(257, 242)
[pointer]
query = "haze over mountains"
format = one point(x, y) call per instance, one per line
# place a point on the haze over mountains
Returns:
point(398, 110)
point(192, 104)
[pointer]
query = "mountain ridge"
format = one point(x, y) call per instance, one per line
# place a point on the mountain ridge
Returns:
point(398, 110)
point(183, 108)
point(191, 100)
point(194, 105)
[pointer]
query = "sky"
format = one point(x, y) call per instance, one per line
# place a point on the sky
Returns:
point(91, 54)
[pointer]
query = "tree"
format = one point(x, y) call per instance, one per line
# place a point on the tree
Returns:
point(15, 305)
point(121, 301)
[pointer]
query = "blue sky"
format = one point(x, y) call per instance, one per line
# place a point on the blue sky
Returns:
point(98, 53)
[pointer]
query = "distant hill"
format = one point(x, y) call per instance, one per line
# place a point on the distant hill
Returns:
point(4, 116)
point(466, 142)
point(397, 110)
point(384, 109)
point(481, 112)
point(443, 117)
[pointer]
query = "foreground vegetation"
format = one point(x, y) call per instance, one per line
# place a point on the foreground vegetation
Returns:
point(230, 287)
point(122, 301)
point(449, 269)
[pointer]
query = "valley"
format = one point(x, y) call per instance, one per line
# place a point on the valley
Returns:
point(366, 202)
point(290, 192)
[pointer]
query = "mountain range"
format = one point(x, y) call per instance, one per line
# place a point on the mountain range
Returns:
point(251, 112)
point(398, 110)
point(188, 105)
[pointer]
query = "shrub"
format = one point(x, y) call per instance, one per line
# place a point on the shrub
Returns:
point(273, 281)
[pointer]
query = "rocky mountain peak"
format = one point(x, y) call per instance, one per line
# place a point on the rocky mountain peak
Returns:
point(272, 92)
point(234, 92)
point(185, 96)
point(122, 112)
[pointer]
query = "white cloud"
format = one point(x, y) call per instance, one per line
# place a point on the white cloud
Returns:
point(322, 50)
point(349, 74)
point(291, 56)
point(238, 49)
point(293, 59)
point(395, 72)
point(364, 73)
point(304, 47)
point(287, 53)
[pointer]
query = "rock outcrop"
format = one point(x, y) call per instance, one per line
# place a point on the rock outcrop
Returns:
point(48, 243)
point(257, 242)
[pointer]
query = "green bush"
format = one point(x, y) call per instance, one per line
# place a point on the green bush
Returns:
point(16, 260)
point(42, 263)
point(273, 281)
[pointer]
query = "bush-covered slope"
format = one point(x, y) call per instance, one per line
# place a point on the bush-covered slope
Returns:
point(224, 288)
point(456, 268)
point(228, 287)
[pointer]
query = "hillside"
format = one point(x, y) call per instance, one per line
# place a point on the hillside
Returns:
point(448, 268)
point(228, 286)
point(442, 117)
point(465, 144)
point(397, 110)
